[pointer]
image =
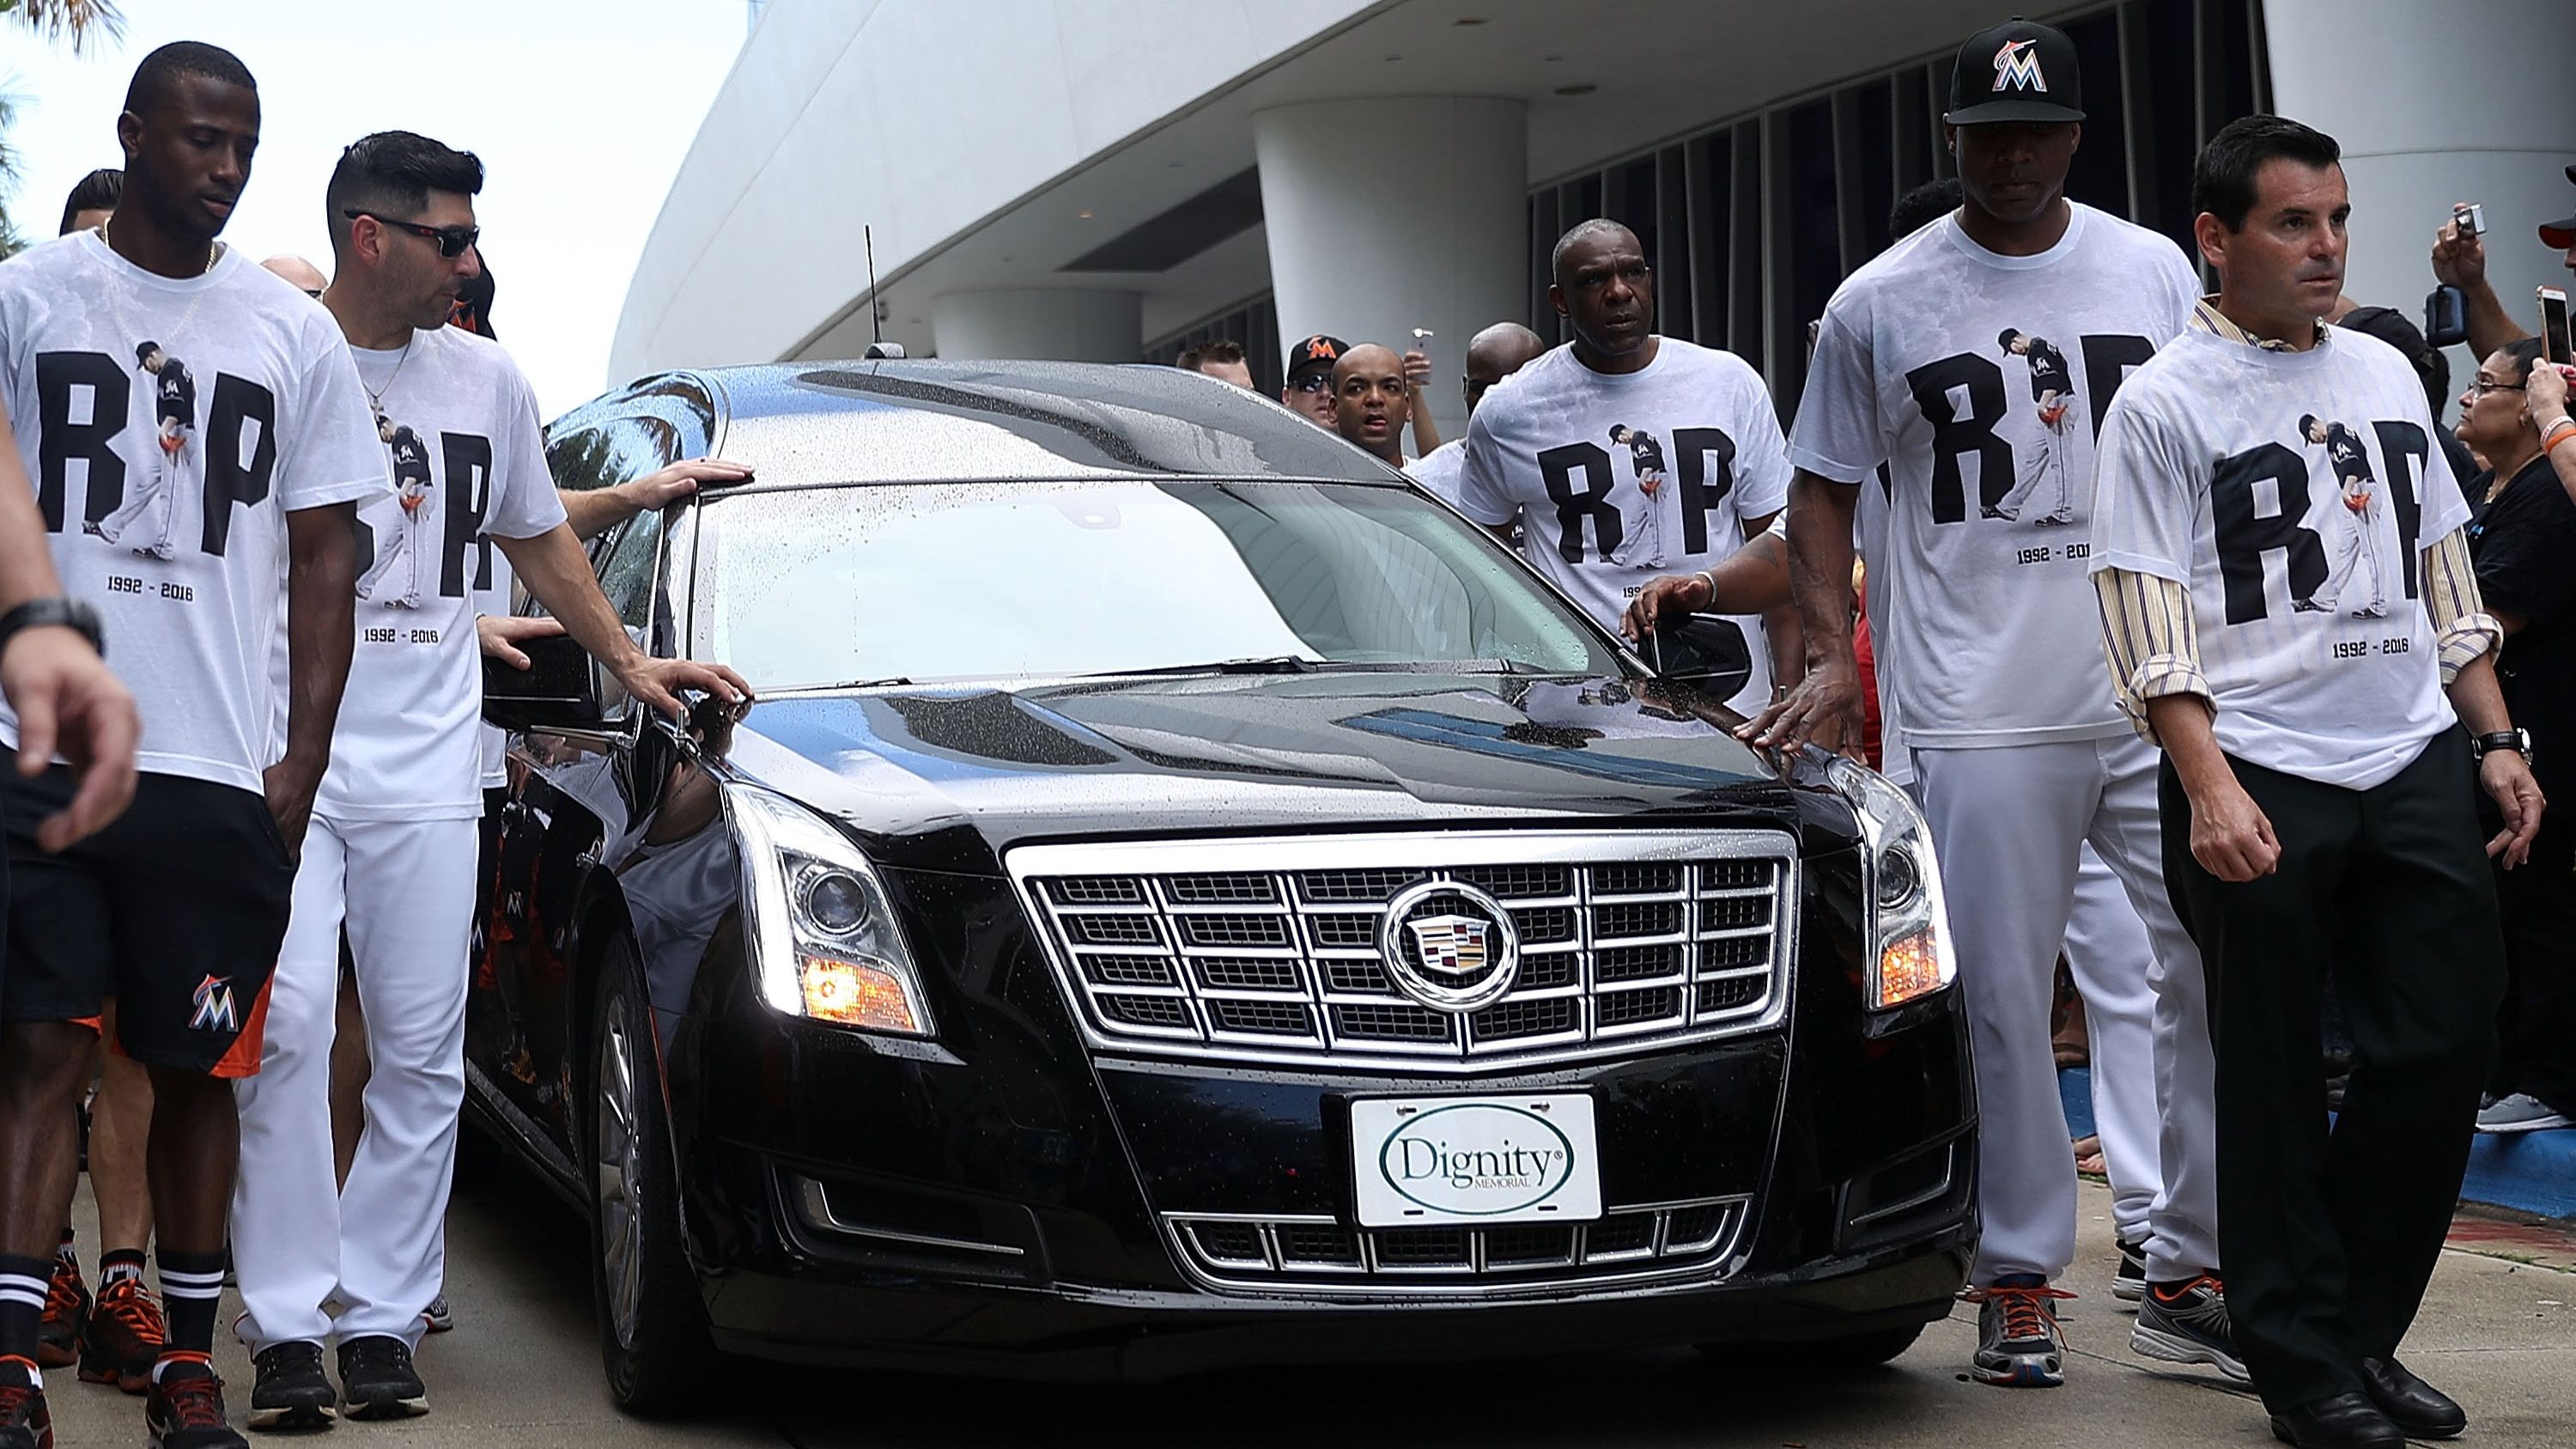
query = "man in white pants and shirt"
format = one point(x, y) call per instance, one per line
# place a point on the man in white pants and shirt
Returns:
point(2022, 755)
point(392, 850)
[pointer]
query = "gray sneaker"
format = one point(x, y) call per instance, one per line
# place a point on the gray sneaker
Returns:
point(438, 1317)
point(2018, 1342)
point(2522, 1112)
point(2187, 1323)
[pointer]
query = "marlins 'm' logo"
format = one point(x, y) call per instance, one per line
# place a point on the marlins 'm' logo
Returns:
point(2017, 67)
point(1452, 944)
point(215, 1006)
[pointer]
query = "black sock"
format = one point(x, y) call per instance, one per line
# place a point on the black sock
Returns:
point(120, 1263)
point(192, 1287)
point(22, 1303)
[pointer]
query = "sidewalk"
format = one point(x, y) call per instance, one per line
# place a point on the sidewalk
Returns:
point(522, 1369)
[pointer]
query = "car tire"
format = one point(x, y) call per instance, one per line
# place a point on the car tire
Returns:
point(1816, 1355)
point(652, 1322)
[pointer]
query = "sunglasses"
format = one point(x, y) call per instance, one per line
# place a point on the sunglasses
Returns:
point(452, 240)
point(1313, 382)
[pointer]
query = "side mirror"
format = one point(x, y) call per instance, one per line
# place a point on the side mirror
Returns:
point(557, 691)
point(1704, 651)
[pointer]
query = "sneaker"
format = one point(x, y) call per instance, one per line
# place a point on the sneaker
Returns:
point(67, 1304)
point(292, 1391)
point(126, 1337)
point(2018, 1342)
point(2187, 1323)
point(377, 1380)
point(438, 1317)
point(2521, 1112)
point(2130, 1283)
point(24, 1421)
point(186, 1410)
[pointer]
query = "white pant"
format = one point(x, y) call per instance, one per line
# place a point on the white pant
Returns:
point(379, 1246)
point(2108, 950)
point(2043, 465)
point(2356, 549)
point(2008, 823)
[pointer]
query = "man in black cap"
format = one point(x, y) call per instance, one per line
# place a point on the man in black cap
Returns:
point(2020, 758)
point(2460, 260)
point(1309, 389)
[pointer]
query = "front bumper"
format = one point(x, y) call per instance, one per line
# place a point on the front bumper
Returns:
point(1001, 1202)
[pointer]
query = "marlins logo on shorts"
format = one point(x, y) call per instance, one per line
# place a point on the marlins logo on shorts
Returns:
point(215, 1011)
point(2017, 67)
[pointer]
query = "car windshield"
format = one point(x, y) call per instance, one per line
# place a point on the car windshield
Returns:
point(823, 587)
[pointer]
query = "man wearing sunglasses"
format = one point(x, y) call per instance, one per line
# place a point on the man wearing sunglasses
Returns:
point(1309, 389)
point(392, 847)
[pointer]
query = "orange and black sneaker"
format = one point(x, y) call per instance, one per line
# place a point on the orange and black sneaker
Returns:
point(2019, 1344)
point(67, 1306)
point(126, 1336)
point(24, 1422)
point(186, 1407)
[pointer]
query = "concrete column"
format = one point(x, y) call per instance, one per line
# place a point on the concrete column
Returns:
point(1387, 215)
point(1046, 324)
point(2466, 100)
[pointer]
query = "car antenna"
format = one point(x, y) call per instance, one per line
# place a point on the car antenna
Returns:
point(879, 347)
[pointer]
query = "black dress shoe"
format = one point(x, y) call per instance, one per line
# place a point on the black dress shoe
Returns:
point(2346, 1421)
point(2413, 1405)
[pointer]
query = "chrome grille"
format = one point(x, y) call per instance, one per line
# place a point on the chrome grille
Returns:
point(1268, 948)
point(1227, 1250)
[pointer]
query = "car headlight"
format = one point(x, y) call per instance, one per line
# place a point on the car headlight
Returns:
point(1909, 928)
point(823, 941)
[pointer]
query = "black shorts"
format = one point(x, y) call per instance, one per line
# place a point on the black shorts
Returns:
point(176, 910)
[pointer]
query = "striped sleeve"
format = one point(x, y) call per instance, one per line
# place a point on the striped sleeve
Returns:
point(2462, 627)
point(2149, 641)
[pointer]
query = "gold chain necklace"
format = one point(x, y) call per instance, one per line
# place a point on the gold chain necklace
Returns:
point(116, 304)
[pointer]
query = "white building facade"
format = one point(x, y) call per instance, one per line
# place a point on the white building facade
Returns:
point(1111, 179)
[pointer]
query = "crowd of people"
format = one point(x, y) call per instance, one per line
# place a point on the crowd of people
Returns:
point(2333, 633)
point(2307, 795)
point(283, 517)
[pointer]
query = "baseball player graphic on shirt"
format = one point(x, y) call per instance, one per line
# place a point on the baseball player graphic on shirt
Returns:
point(408, 550)
point(1644, 545)
point(174, 416)
point(2043, 466)
point(2360, 546)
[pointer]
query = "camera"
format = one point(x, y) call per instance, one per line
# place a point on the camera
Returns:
point(2469, 218)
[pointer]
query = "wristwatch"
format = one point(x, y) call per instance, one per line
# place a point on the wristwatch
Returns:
point(70, 614)
point(2516, 740)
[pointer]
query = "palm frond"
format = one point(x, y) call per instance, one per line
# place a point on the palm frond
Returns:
point(78, 20)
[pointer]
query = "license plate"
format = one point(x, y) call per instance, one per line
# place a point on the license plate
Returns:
point(1422, 1161)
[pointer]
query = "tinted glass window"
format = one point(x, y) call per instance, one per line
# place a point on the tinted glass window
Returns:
point(969, 581)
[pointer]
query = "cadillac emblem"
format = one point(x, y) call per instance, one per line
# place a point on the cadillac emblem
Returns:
point(1449, 946)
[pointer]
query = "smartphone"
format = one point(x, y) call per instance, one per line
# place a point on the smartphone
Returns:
point(2553, 325)
point(2469, 218)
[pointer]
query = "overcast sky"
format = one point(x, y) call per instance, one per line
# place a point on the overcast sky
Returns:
point(580, 109)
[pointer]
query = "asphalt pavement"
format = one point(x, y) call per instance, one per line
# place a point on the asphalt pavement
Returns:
point(522, 1368)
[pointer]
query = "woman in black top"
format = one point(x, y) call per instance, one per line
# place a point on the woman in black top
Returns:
point(2522, 537)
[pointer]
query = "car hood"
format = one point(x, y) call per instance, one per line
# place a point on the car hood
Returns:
point(1227, 753)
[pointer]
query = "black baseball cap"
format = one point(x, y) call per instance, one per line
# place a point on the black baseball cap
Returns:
point(1318, 351)
point(2020, 70)
point(2562, 232)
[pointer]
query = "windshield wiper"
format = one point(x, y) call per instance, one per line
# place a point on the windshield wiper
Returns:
point(1265, 664)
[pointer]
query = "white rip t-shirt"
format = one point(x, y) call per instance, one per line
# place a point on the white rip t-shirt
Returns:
point(459, 426)
point(1982, 380)
point(2294, 493)
point(170, 426)
point(1438, 470)
point(1622, 478)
